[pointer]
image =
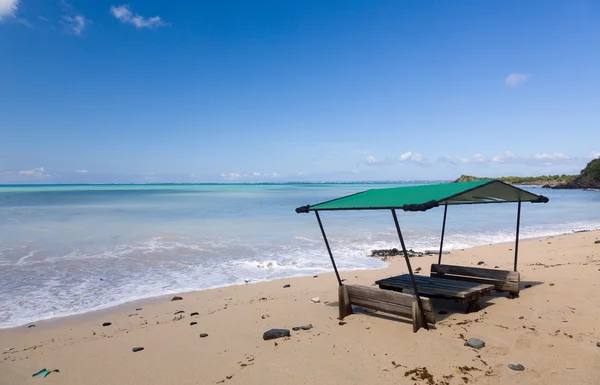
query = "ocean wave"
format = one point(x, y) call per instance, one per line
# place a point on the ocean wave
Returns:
point(36, 286)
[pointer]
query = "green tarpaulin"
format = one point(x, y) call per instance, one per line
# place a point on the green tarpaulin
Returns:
point(421, 198)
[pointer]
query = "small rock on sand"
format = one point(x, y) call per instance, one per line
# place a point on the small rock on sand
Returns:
point(315, 276)
point(418, 269)
point(276, 333)
point(30, 326)
point(305, 327)
point(194, 313)
point(316, 300)
point(475, 343)
point(551, 284)
point(341, 323)
point(203, 335)
point(480, 263)
point(598, 344)
point(137, 349)
point(176, 298)
point(517, 367)
point(597, 242)
point(286, 286)
point(521, 317)
point(138, 309)
point(106, 324)
point(179, 312)
point(193, 323)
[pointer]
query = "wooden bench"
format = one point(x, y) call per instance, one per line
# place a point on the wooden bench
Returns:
point(503, 280)
point(386, 301)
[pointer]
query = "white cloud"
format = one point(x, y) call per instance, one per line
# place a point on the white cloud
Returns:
point(76, 23)
point(413, 157)
point(478, 158)
point(458, 160)
point(506, 157)
point(124, 14)
point(38, 172)
point(8, 8)
point(407, 157)
point(256, 173)
point(81, 171)
point(595, 155)
point(371, 159)
point(516, 79)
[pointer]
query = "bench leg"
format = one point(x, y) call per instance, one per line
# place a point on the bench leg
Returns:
point(344, 302)
point(418, 321)
point(473, 306)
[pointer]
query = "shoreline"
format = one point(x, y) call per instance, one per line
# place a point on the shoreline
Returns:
point(157, 298)
point(550, 329)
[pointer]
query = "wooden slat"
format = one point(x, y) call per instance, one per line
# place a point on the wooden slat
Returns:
point(503, 280)
point(381, 295)
point(447, 287)
point(494, 274)
point(388, 301)
point(455, 285)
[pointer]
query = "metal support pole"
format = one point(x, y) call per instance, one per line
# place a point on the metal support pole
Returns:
point(517, 240)
point(328, 248)
point(410, 271)
point(443, 231)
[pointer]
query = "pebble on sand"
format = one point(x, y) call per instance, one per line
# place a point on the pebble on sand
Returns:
point(481, 263)
point(30, 326)
point(341, 323)
point(316, 300)
point(305, 327)
point(286, 286)
point(517, 367)
point(106, 324)
point(598, 344)
point(276, 333)
point(176, 298)
point(475, 343)
point(203, 335)
point(194, 313)
point(193, 323)
point(137, 349)
point(597, 242)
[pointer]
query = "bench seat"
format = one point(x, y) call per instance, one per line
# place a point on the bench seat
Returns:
point(503, 280)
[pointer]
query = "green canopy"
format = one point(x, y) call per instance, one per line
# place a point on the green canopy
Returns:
point(425, 197)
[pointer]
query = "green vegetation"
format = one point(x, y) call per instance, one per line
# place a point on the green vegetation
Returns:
point(588, 179)
point(527, 180)
point(592, 170)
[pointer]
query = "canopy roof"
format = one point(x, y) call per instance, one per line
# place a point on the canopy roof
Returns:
point(425, 197)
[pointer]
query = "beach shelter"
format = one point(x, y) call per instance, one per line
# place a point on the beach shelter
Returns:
point(423, 198)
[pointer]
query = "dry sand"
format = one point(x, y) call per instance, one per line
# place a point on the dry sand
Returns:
point(552, 329)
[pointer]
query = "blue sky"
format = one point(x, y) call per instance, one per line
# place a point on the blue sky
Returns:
point(174, 91)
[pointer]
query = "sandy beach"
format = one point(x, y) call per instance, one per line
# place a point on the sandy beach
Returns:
point(552, 330)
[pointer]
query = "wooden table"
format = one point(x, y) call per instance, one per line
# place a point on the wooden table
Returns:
point(460, 291)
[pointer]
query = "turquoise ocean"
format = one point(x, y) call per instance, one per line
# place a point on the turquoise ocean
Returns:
point(70, 249)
